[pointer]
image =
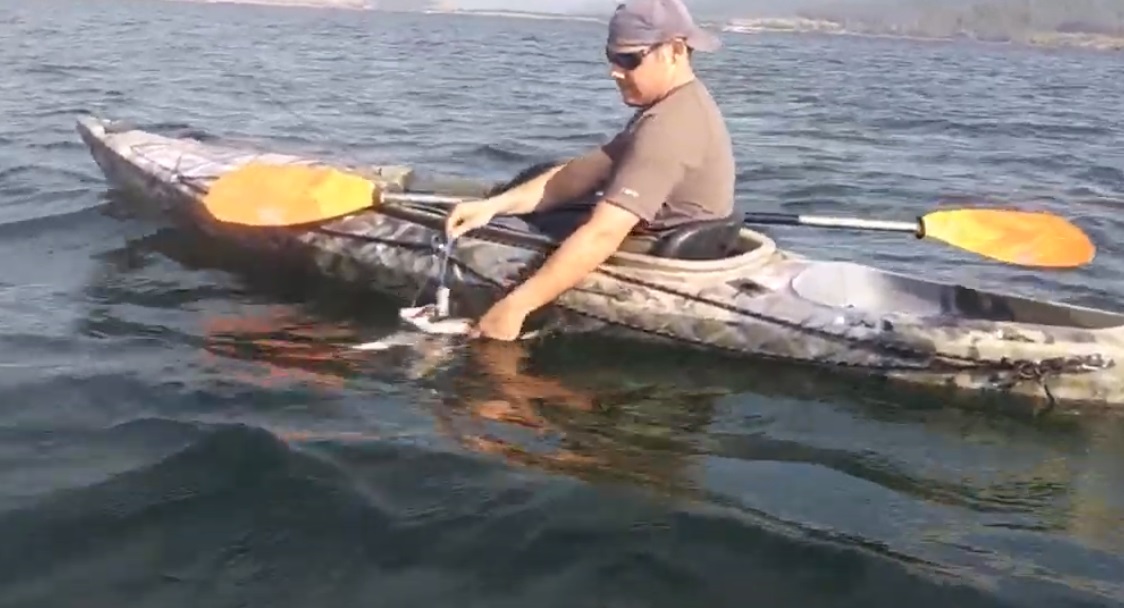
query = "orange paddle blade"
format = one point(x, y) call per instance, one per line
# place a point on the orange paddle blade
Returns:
point(285, 195)
point(1017, 237)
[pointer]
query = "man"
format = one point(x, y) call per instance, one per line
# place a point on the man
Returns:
point(672, 163)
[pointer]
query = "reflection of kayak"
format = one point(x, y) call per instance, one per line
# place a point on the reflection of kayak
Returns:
point(759, 301)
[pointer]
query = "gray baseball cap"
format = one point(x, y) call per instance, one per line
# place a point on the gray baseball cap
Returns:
point(646, 22)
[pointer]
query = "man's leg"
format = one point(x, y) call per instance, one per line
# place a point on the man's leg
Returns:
point(556, 224)
point(561, 223)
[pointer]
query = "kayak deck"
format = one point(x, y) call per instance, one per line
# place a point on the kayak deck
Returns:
point(759, 301)
point(847, 285)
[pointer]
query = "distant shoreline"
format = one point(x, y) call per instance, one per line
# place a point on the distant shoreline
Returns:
point(513, 14)
point(358, 5)
point(373, 5)
point(1043, 39)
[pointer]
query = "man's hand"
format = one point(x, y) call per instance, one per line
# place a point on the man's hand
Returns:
point(577, 256)
point(470, 215)
point(503, 321)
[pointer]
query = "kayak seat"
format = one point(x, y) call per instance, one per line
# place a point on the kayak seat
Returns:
point(702, 240)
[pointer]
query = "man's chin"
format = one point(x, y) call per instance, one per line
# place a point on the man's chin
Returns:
point(631, 102)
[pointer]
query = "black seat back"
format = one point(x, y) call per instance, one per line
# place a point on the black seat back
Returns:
point(704, 240)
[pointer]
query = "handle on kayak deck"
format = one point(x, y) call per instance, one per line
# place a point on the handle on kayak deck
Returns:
point(792, 219)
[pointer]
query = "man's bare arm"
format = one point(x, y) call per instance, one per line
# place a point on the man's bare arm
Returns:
point(648, 171)
point(581, 253)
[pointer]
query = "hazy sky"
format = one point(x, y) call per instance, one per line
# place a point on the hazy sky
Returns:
point(748, 6)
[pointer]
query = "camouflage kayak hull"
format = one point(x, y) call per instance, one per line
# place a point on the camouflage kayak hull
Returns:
point(760, 301)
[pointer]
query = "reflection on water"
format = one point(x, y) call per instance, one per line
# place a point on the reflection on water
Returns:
point(284, 350)
point(566, 408)
point(993, 487)
point(486, 399)
point(643, 434)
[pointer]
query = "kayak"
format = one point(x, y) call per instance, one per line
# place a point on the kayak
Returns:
point(718, 286)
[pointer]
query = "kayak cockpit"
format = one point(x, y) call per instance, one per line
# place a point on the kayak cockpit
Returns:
point(850, 285)
point(699, 241)
point(703, 240)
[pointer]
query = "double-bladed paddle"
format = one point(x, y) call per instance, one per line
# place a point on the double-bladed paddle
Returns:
point(267, 195)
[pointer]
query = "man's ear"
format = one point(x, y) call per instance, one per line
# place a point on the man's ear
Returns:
point(681, 51)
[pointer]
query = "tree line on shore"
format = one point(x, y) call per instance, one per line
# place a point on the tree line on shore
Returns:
point(1000, 20)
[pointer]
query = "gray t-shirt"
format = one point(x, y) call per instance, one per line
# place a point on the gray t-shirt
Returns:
point(672, 163)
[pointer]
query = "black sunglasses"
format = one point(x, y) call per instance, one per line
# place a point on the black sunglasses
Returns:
point(629, 61)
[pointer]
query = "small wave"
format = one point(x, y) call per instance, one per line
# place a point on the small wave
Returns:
point(1104, 175)
point(915, 124)
point(820, 191)
point(64, 220)
point(53, 112)
point(58, 144)
point(41, 170)
point(1026, 129)
point(53, 69)
point(505, 154)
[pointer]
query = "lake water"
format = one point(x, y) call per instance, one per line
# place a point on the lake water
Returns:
point(174, 433)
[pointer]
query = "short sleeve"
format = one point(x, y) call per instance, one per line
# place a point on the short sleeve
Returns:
point(651, 163)
point(615, 147)
point(597, 161)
